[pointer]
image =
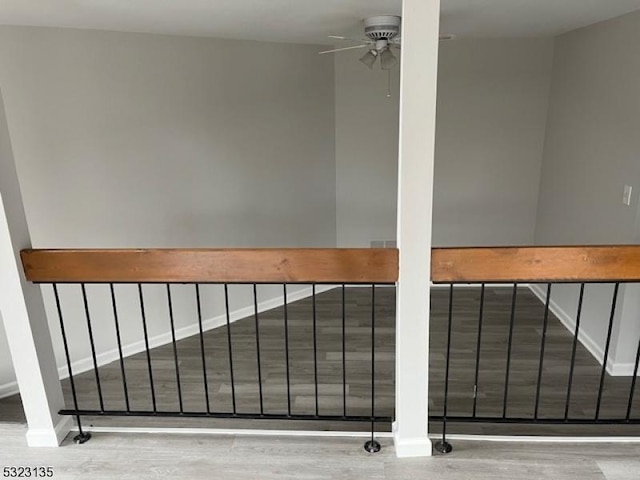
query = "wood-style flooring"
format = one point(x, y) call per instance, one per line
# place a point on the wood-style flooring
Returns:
point(193, 457)
point(490, 389)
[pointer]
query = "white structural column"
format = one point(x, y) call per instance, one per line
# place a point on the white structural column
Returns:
point(22, 311)
point(420, 32)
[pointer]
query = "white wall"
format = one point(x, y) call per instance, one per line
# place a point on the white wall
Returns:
point(366, 151)
point(492, 105)
point(133, 140)
point(591, 152)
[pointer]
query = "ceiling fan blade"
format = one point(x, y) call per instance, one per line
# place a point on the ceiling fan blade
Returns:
point(445, 37)
point(347, 39)
point(342, 49)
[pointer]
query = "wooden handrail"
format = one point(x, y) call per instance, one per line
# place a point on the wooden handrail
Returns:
point(367, 265)
point(312, 265)
point(536, 264)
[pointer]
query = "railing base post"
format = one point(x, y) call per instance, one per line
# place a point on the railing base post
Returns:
point(408, 447)
point(81, 438)
point(443, 447)
point(372, 446)
point(49, 437)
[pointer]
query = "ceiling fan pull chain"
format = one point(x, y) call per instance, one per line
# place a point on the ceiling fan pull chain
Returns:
point(388, 83)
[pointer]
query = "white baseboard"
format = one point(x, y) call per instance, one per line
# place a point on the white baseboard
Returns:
point(537, 439)
point(613, 369)
point(8, 389)
point(478, 285)
point(50, 437)
point(621, 369)
point(104, 358)
point(367, 285)
point(323, 433)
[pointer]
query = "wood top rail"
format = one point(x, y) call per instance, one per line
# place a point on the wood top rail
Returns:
point(536, 264)
point(316, 265)
point(288, 265)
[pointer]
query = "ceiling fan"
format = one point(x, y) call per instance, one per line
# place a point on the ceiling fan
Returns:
point(383, 34)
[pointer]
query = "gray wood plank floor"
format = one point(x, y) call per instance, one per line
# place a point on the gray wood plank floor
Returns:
point(523, 376)
point(136, 456)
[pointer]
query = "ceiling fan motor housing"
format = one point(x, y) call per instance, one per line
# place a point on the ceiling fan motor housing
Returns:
point(382, 27)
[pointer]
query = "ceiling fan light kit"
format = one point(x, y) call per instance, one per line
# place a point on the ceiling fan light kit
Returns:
point(382, 33)
point(369, 58)
point(387, 60)
point(381, 30)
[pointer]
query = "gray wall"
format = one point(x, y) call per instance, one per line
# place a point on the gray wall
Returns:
point(492, 106)
point(7, 374)
point(8, 189)
point(592, 140)
point(591, 152)
point(366, 151)
point(133, 140)
point(147, 140)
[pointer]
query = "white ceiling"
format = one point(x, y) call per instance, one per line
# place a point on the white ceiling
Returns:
point(306, 21)
point(528, 18)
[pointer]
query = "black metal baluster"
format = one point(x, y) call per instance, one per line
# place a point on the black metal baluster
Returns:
point(573, 352)
point(122, 369)
point(476, 376)
point(82, 436)
point(146, 346)
point(202, 350)
point(255, 310)
point(443, 446)
point(93, 346)
point(373, 446)
point(344, 355)
point(633, 383)
point(233, 384)
point(315, 345)
point(175, 347)
point(542, 344)
point(606, 349)
point(286, 347)
point(508, 369)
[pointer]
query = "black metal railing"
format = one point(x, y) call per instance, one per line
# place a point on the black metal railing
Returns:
point(501, 356)
point(115, 400)
point(510, 339)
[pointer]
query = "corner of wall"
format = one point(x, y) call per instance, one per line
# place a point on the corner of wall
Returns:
point(536, 232)
point(335, 147)
point(615, 367)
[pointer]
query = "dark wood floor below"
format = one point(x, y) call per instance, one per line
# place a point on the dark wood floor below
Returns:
point(524, 365)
